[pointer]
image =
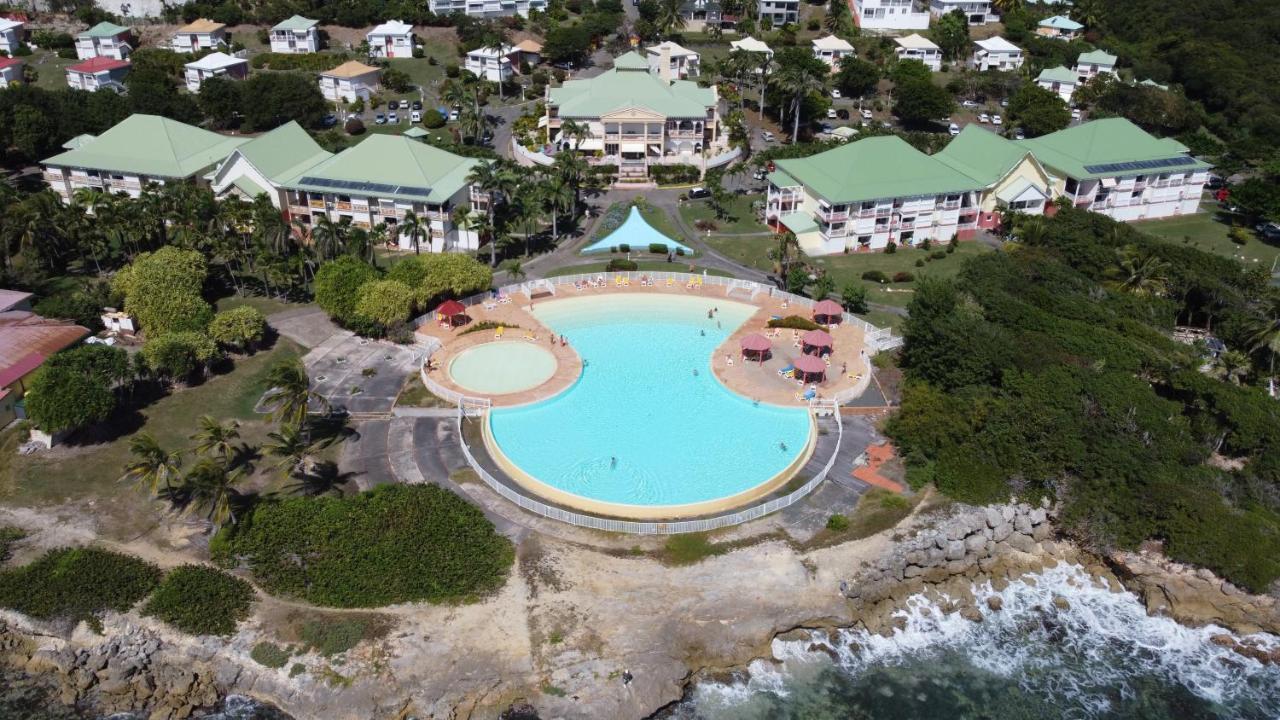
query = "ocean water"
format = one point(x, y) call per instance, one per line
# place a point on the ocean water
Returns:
point(1102, 657)
point(647, 423)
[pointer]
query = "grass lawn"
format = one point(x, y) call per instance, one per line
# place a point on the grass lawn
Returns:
point(1205, 231)
point(264, 305)
point(742, 217)
point(644, 266)
point(50, 69)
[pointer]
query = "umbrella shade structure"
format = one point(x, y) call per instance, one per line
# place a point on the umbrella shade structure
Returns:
point(809, 365)
point(756, 345)
point(818, 340)
point(637, 234)
point(828, 312)
point(450, 309)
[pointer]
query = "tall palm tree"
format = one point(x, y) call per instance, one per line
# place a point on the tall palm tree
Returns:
point(487, 176)
point(210, 488)
point(669, 18)
point(289, 444)
point(576, 131)
point(573, 169)
point(1005, 7)
point(328, 237)
point(1231, 366)
point(530, 212)
point(558, 196)
point(291, 396)
point(152, 467)
point(322, 478)
point(1138, 273)
point(214, 438)
point(464, 220)
point(378, 237)
point(783, 252)
point(413, 226)
point(1264, 337)
point(798, 82)
point(515, 269)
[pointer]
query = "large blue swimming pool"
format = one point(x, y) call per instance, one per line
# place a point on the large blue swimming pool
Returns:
point(647, 423)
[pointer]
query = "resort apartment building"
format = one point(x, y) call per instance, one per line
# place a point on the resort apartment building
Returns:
point(10, 71)
point(262, 165)
point(996, 54)
point(218, 64)
point(105, 40)
point(669, 60)
point(634, 118)
point(198, 36)
point(1060, 80)
point(700, 14)
point(866, 194)
point(10, 35)
point(979, 12)
point(831, 50)
point(100, 73)
point(779, 12)
point(891, 14)
point(491, 63)
point(1059, 27)
point(752, 45)
point(350, 81)
point(918, 47)
point(487, 8)
point(393, 39)
point(1092, 64)
point(139, 150)
point(296, 36)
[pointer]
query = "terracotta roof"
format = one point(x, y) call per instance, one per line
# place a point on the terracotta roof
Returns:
point(9, 62)
point(23, 333)
point(528, 46)
point(201, 26)
point(99, 64)
point(19, 370)
point(350, 69)
point(10, 298)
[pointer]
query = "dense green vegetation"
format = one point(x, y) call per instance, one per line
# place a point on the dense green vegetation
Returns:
point(389, 545)
point(270, 655)
point(77, 584)
point(9, 536)
point(200, 600)
point(1048, 370)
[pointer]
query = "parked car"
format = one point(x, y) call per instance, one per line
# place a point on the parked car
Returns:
point(954, 129)
point(453, 115)
point(843, 113)
point(983, 117)
point(698, 193)
point(886, 124)
point(758, 175)
point(328, 121)
point(393, 118)
point(415, 116)
point(866, 114)
point(1214, 182)
point(997, 120)
point(417, 104)
point(1004, 102)
point(1019, 135)
point(831, 113)
point(968, 104)
point(1269, 231)
point(766, 136)
point(380, 119)
point(835, 93)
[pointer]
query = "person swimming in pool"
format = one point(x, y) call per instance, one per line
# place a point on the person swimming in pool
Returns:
point(782, 446)
point(613, 462)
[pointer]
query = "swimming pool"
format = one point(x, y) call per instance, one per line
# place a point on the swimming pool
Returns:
point(498, 368)
point(647, 430)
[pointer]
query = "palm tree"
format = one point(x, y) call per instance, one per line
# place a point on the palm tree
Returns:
point(1138, 273)
point(290, 445)
point(464, 220)
point(558, 195)
point(515, 269)
point(323, 478)
point(1005, 7)
point(573, 169)
point(214, 438)
point(152, 466)
point(328, 237)
point(575, 130)
point(1230, 365)
point(209, 487)
point(798, 82)
point(1264, 337)
point(1030, 230)
point(1089, 13)
point(291, 396)
point(413, 226)
point(765, 64)
point(837, 12)
point(487, 176)
point(783, 253)
point(669, 17)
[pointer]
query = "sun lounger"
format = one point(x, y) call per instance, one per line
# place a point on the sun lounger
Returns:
point(498, 333)
point(491, 306)
point(670, 282)
point(787, 371)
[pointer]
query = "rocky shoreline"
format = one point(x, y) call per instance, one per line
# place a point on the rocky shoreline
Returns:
point(942, 554)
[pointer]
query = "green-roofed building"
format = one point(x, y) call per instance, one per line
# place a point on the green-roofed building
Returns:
point(1011, 177)
point(1061, 80)
point(295, 36)
point(634, 118)
point(382, 179)
point(1116, 168)
point(105, 39)
point(139, 150)
point(1094, 63)
point(1059, 27)
point(264, 163)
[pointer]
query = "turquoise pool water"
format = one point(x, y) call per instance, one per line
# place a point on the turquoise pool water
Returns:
point(647, 423)
point(497, 368)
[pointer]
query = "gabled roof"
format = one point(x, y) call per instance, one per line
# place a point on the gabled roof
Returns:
point(150, 145)
point(676, 50)
point(398, 166)
point(1058, 22)
point(203, 25)
point(392, 27)
point(297, 23)
point(529, 46)
point(283, 153)
point(916, 41)
point(1110, 141)
point(93, 66)
point(216, 61)
point(878, 167)
point(621, 88)
point(1096, 57)
point(23, 334)
point(997, 44)
point(9, 62)
point(1152, 83)
point(104, 30)
point(415, 132)
point(7, 24)
point(9, 299)
point(77, 141)
point(491, 52)
point(750, 44)
point(1058, 74)
point(831, 42)
point(630, 61)
point(350, 69)
point(982, 155)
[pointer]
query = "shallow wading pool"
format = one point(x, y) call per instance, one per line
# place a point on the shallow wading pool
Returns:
point(499, 368)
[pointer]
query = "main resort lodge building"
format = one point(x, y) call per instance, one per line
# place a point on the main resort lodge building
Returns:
point(866, 194)
point(635, 118)
point(380, 180)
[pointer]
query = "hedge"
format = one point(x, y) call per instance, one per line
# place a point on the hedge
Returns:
point(621, 265)
point(77, 584)
point(877, 276)
point(794, 322)
point(201, 600)
point(673, 174)
point(390, 545)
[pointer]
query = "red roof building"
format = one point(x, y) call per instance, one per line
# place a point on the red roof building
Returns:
point(93, 66)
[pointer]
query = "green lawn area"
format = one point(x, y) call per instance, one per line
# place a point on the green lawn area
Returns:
point(51, 70)
point(1206, 232)
point(644, 266)
point(742, 217)
point(264, 305)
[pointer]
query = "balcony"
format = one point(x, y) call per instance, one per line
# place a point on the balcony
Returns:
point(948, 205)
point(343, 205)
point(317, 204)
point(299, 210)
point(832, 216)
point(51, 177)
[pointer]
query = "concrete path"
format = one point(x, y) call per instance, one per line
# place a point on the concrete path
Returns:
point(308, 326)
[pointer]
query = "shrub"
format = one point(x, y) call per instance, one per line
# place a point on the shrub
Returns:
point(77, 584)
point(162, 289)
point(794, 322)
point(891, 248)
point(919, 262)
point(940, 254)
point(8, 537)
point(854, 298)
point(307, 62)
point(385, 302)
point(354, 126)
point(241, 328)
point(486, 325)
point(82, 307)
point(393, 544)
point(200, 600)
point(876, 276)
point(61, 397)
point(689, 548)
point(673, 174)
point(435, 276)
point(432, 119)
point(337, 285)
point(624, 248)
point(452, 70)
point(1238, 235)
point(903, 276)
point(333, 637)
point(838, 523)
point(269, 655)
point(622, 265)
point(180, 355)
point(658, 248)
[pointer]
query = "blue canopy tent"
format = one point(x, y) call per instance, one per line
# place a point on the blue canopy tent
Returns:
point(636, 234)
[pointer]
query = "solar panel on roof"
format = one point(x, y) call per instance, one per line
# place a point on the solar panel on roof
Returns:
point(368, 187)
point(1179, 161)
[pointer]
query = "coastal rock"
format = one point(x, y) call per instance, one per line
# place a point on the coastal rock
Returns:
point(971, 613)
point(995, 603)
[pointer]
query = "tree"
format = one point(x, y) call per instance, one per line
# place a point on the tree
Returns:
point(273, 99)
point(905, 71)
point(152, 467)
point(337, 286)
point(413, 226)
point(179, 355)
point(215, 438)
point(1090, 13)
point(385, 302)
point(919, 101)
point(453, 275)
point(1039, 111)
point(857, 78)
point(163, 290)
point(797, 277)
point(241, 328)
point(1264, 335)
point(487, 177)
point(291, 396)
point(1231, 366)
point(397, 81)
point(61, 397)
point(854, 298)
point(783, 252)
point(208, 487)
point(1139, 273)
point(951, 33)
point(837, 19)
point(567, 44)
point(220, 101)
point(291, 445)
point(798, 81)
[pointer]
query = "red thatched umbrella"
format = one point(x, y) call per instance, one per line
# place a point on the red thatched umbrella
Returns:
point(756, 344)
point(817, 341)
point(808, 366)
point(449, 310)
point(828, 312)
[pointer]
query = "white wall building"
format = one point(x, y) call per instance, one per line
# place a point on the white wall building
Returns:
point(200, 35)
point(392, 39)
point(979, 12)
point(105, 40)
point(831, 50)
point(295, 36)
point(487, 8)
point(349, 81)
point(891, 14)
point(1059, 27)
point(752, 45)
point(98, 74)
point(779, 12)
point(10, 71)
point(996, 54)
point(217, 64)
point(1092, 64)
point(489, 63)
point(918, 47)
point(10, 35)
point(679, 62)
point(1061, 80)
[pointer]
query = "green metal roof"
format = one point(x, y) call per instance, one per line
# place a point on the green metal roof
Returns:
point(799, 222)
point(618, 89)
point(284, 152)
point(297, 23)
point(415, 132)
point(873, 168)
point(150, 145)
point(246, 185)
point(77, 141)
point(1096, 57)
point(389, 160)
point(1059, 22)
point(982, 154)
point(1101, 142)
point(631, 61)
point(781, 179)
point(1058, 74)
point(104, 30)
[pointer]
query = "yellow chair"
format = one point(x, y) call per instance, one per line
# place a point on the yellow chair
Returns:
point(498, 333)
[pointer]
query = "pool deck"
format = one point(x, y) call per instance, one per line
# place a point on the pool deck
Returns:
point(746, 377)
